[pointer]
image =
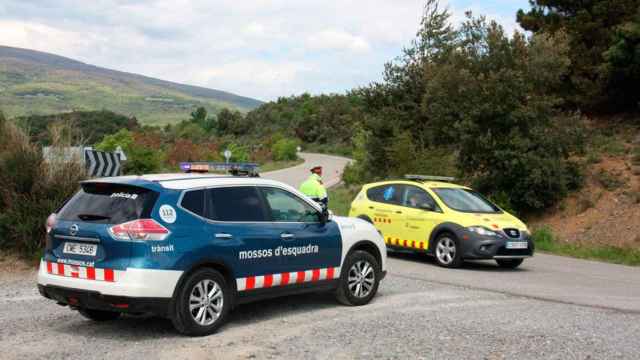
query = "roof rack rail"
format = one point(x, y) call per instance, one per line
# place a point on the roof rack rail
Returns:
point(235, 169)
point(429, 178)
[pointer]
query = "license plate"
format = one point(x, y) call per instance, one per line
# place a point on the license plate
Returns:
point(517, 245)
point(80, 249)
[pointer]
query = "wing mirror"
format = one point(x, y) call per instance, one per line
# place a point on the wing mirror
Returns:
point(326, 215)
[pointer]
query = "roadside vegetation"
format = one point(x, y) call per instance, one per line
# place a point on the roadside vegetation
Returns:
point(543, 122)
point(546, 241)
point(32, 188)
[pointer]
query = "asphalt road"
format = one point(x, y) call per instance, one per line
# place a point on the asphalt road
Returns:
point(551, 308)
point(332, 170)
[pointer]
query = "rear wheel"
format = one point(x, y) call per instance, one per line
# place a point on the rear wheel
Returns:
point(509, 263)
point(99, 315)
point(359, 279)
point(203, 303)
point(447, 251)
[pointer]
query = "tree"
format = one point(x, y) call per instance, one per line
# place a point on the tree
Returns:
point(591, 26)
point(622, 65)
point(199, 117)
point(498, 99)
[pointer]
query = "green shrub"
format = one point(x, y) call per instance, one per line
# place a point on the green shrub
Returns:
point(285, 149)
point(543, 238)
point(140, 159)
point(609, 180)
point(239, 153)
point(32, 188)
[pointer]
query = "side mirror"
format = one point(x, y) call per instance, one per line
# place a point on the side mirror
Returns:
point(427, 206)
point(326, 216)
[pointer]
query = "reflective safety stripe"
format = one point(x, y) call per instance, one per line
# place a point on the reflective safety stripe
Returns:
point(296, 277)
point(83, 272)
point(412, 244)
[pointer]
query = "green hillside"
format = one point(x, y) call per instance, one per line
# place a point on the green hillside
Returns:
point(33, 83)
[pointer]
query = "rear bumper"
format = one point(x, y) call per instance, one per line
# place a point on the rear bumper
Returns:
point(94, 300)
point(132, 282)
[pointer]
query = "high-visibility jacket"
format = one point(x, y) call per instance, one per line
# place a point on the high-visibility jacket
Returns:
point(314, 189)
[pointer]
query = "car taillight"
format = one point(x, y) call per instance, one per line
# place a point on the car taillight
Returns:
point(50, 223)
point(142, 229)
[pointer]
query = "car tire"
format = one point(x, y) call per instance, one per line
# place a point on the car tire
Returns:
point(359, 279)
point(99, 315)
point(202, 303)
point(447, 251)
point(509, 263)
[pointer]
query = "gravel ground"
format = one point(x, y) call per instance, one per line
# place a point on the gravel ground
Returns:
point(410, 318)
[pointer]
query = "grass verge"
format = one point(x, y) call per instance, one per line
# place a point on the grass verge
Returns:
point(546, 241)
point(340, 198)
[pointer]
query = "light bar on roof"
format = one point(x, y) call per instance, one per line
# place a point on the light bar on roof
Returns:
point(246, 169)
point(429, 178)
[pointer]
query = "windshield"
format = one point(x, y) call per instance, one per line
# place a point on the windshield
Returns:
point(465, 200)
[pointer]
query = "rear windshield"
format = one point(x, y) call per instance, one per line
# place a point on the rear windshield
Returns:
point(466, 200)
point(109, 203)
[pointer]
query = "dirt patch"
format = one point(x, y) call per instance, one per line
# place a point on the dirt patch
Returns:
point(12, 266)
point(605, 212)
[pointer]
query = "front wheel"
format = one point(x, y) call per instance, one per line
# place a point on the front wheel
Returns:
point(447, 251)
point(203, 302)
point(509, 263)
point(359, 279)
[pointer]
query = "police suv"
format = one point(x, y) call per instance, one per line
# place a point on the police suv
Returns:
point(192, 246)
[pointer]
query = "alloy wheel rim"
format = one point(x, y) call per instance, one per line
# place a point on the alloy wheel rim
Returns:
point(361, 278)
point(446, 250)
point(205, 302)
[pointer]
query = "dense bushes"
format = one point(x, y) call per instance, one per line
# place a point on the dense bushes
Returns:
point(32, 188)
point(285, 149)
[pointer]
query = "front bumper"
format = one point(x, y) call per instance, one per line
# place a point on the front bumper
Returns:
point(85, 299)
point(479, 247)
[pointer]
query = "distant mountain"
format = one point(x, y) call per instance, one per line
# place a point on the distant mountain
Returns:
point(34, 82)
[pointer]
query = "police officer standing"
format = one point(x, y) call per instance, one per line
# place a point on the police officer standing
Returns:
point(314, 188)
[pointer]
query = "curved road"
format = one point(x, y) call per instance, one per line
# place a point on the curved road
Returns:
point(294, 176)
point(553, 307)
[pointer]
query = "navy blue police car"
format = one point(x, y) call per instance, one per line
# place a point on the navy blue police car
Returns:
point(190, 247)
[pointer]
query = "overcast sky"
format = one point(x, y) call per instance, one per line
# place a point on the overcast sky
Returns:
point(257, 48)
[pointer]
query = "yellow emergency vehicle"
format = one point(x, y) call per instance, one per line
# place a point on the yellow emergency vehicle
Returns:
point(451, 222)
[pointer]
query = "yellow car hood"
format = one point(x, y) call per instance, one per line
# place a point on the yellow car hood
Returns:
point(494, 221)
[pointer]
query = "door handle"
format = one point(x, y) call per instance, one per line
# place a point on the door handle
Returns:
point(223, 236)
point(371, 207)
point(398, 212)
point(286, 236)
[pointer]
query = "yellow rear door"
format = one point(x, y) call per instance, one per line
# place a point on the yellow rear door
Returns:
point(422, 215)
point(385, 209)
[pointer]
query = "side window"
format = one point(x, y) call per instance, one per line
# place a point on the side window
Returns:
point(285, 206)
point(389, 194)
point(194, 201)
point(236, 203)
point(415, 197)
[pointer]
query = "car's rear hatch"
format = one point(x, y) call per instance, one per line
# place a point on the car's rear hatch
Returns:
point(81, 235)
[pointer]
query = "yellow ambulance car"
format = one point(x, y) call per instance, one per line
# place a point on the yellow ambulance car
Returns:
point(451, 222)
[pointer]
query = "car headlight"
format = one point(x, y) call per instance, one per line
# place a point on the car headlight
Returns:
point(483, 231)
